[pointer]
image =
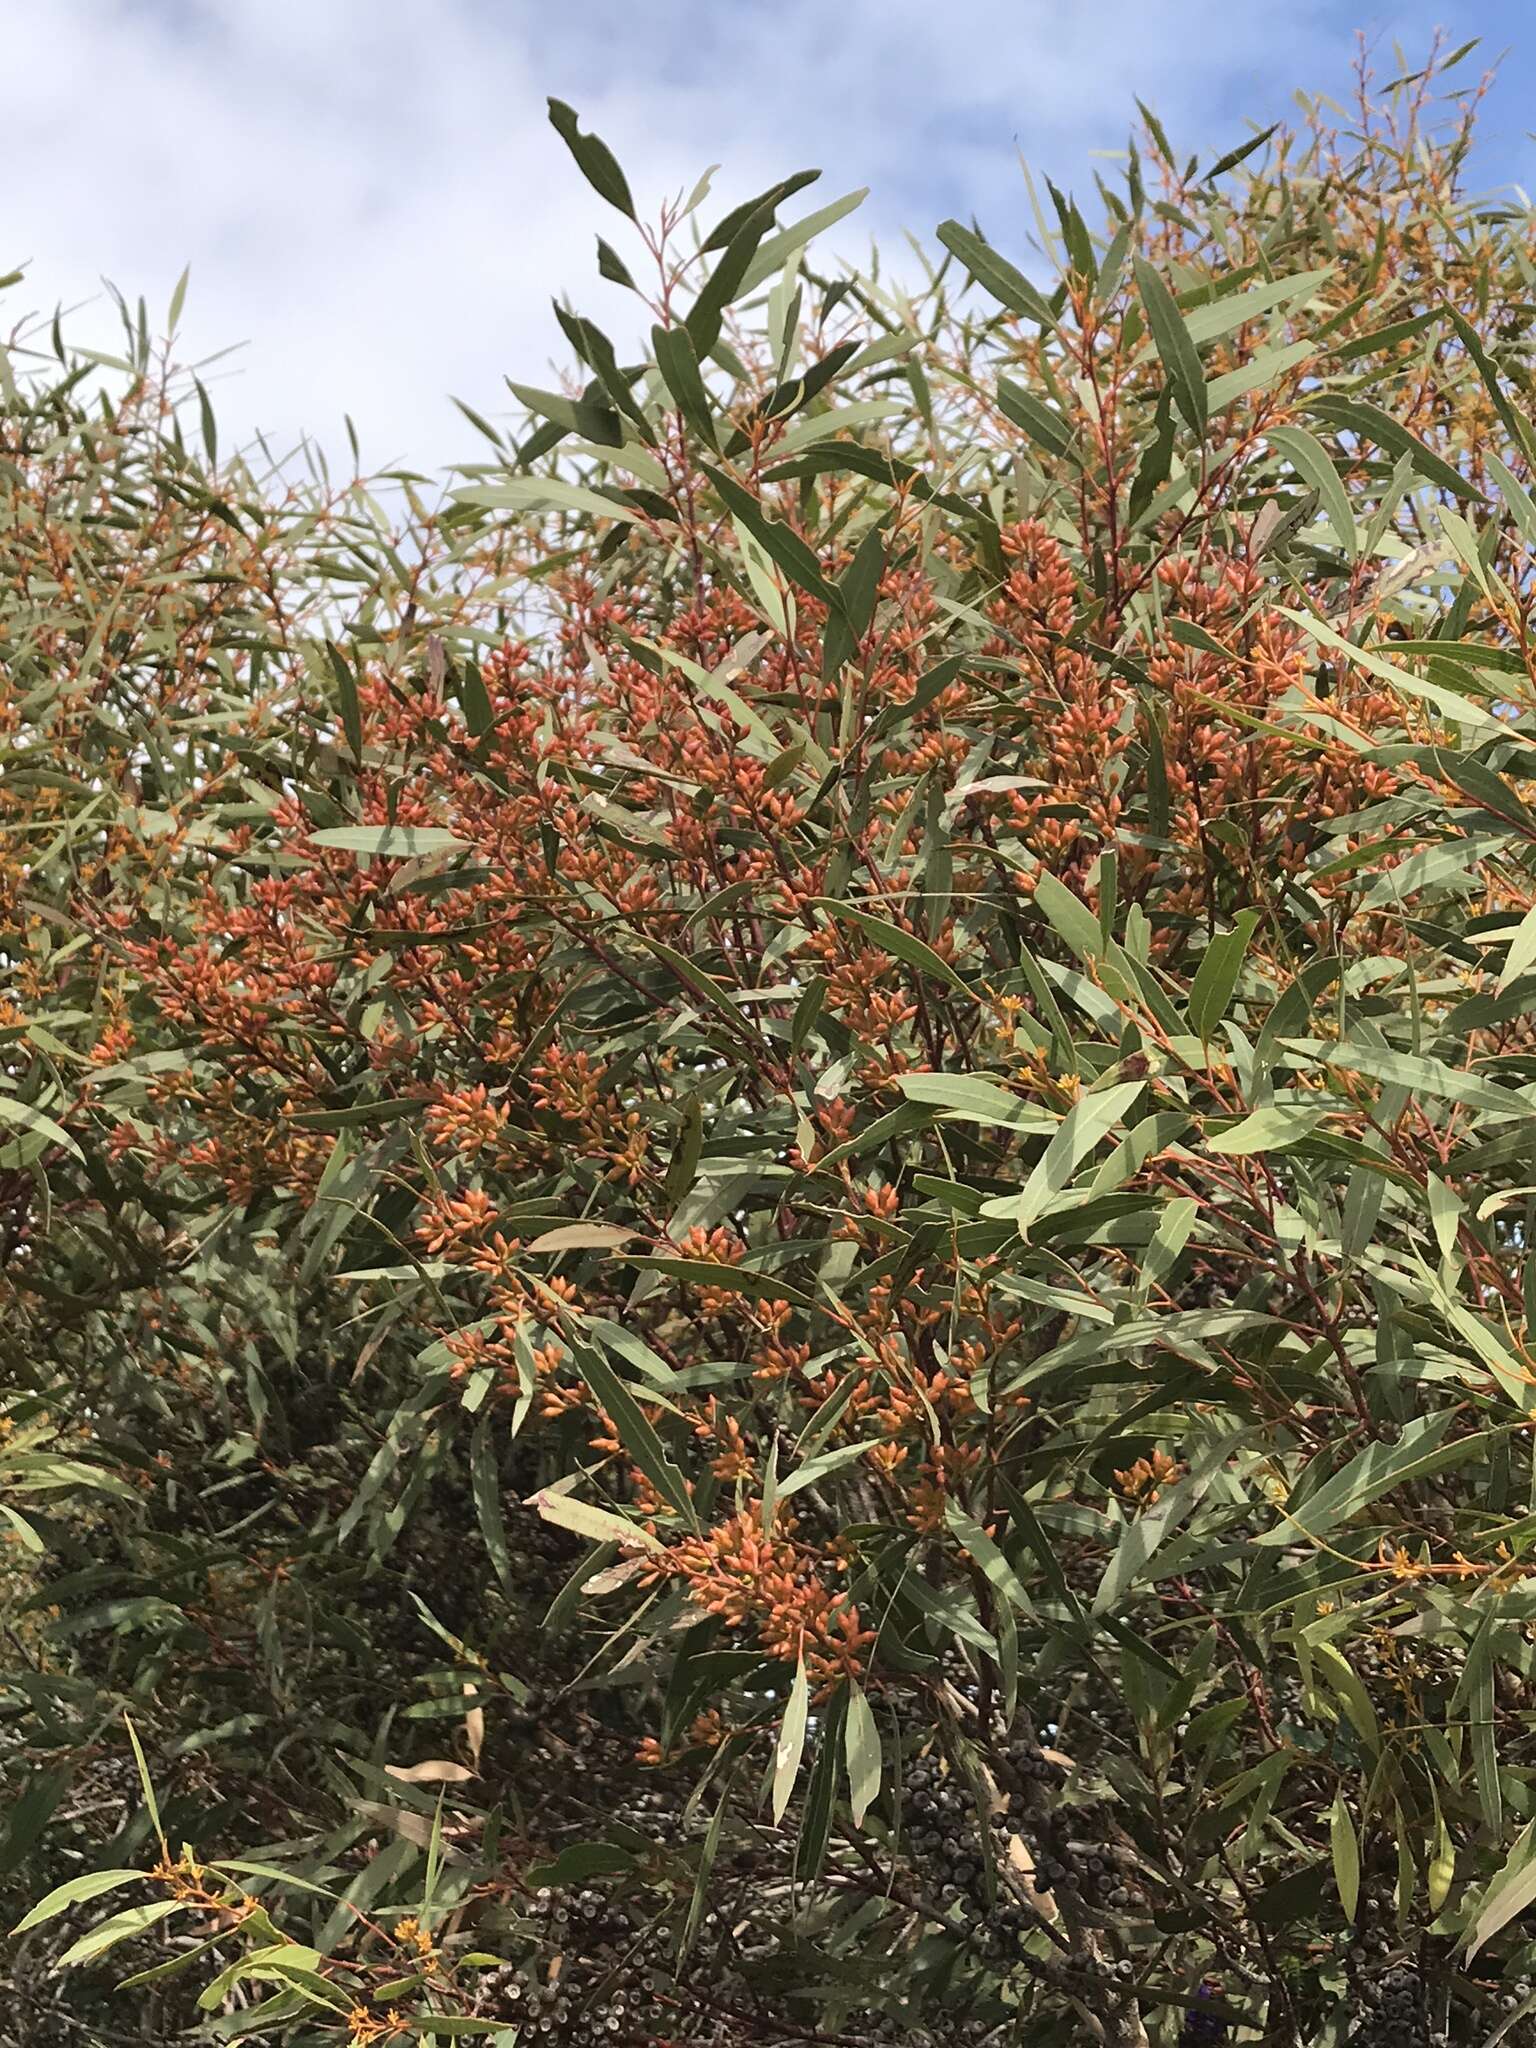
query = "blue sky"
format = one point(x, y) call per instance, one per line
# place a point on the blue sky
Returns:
point(371, 200)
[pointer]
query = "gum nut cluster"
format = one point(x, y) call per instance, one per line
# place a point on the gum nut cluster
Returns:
point(1070, 1856)
point(943, 1827)
point(1393, 2013)
point(656, 1814)
point(1029, 1762)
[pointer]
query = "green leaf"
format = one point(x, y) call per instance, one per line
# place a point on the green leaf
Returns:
point(1419, 1074)
point(1142, 1538)
point(486, 1484)
point(995, 1566)
point(1176, 348)
point(1510, 1893)
point(394, 842)
point(1353, 1695)
point(1442, 1860)
point(1038, 420)
point(902, 945)
point(456, 2025)
point(774, 253)
point(821, 1791)
point(1447, 702)
point(594, 158)
point(474, 699)
point(1419, 1451)
point(636, 1432)
point(1069, 915)
point(1264, 369)
point(727, 1279)
point(1008, 286)
point(862, 1740)
point(683, 1166)
point(1522, 952)
point(146, 1782)
point(791, 1743)
point(972, 1098)
point(579, 1861)
point(597, 1524)
point(1515, 423)
point(351, 712)
point(1088, 1120)
point(632, 1348)
point(679, 367)
point(121, 1927)
point(1359, 416)
point(747, 227)
point(1311, 461)
point(31, 1813)
point(730, 225)
point(599, 423)
point(541, 494)
point(1174, 1227)
point(269, 1963)
point(1221, 315)
point(1216, 977)
point(1346, 1854)
point(780, 542)
point(75, 1893)
point(705, 986)
point(611, 265)
point(825, 1462)
point(699, 1901)
point(1236, 156)
point(1271, 1128)
point(24, 1116)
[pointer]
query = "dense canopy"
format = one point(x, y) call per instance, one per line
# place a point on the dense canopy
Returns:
point(766, 1182)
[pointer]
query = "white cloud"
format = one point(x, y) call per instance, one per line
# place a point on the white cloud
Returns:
point(370, 196)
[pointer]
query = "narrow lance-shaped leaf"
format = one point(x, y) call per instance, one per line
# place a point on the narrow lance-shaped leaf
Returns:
point(862, 1739)
point(1311, 460)
point(1088, 1120)
point(1346, 1854)
point(346, 685)
point(596, 161)
point(1216, 976)
point(636, 1432)
point(1512, 1892)
point(1359, 416)
point(1420, 1450)
point(791, 1743)
point(679, 367)
point(904, 945)
point(780, 542)
point(1180, 357)
point(75, 1892)
point(1007, 285)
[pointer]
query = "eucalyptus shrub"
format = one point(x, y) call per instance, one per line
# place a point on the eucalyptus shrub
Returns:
point(848, 1120)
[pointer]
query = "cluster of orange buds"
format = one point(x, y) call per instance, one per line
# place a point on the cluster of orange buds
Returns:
point(365, 2028)
point(775, 1586)
point(733, 1460)
point(717, 1247)
point(411, 1935)
point(462, 1228)
point(945, 1472)
point(779, 1359)
point(705, 1731)
point(467, 1123)
point(1399, 1563)
point(1144, 1481)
